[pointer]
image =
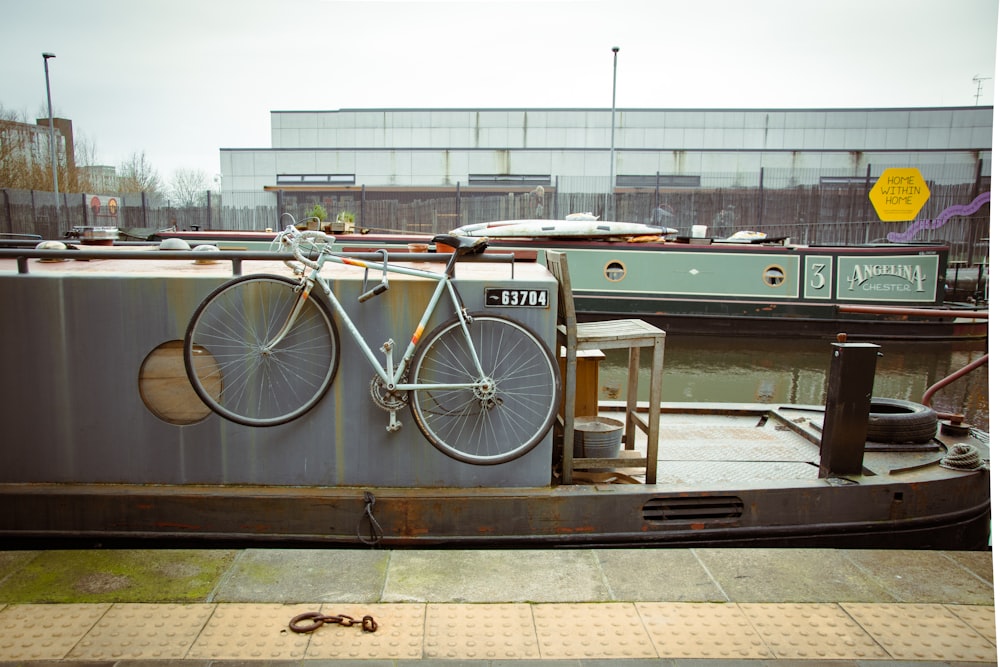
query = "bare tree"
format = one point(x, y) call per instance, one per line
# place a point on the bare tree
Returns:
point(136, 174)
point(188, 187)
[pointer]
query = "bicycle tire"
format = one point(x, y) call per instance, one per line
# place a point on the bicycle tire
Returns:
point(507, 421)
point(231, 373)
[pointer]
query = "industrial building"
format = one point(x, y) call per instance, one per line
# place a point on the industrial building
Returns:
point(573, 147)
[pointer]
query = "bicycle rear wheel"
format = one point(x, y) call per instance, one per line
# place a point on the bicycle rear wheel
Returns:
point(512, 408)
point(230, 367)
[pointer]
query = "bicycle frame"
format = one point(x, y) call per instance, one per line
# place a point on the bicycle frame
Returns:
point(391, 375)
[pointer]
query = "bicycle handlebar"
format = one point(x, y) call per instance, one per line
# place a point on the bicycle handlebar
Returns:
point(294, 238)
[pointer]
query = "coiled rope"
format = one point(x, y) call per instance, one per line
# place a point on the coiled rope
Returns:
point(963, 457)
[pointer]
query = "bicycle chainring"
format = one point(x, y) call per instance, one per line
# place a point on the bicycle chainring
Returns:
point(385, 399)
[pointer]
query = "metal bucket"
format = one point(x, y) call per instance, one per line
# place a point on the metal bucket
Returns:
point(597, 437)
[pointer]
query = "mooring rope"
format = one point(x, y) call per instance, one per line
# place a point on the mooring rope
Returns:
point(374, 529)
point(963, 457)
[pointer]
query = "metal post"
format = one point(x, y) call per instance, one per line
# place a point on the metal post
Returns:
point(848, 403)
point(53, 150)
point(609, 212)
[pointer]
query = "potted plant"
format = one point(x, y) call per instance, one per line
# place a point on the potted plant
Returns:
point(315, 217)
point(345, 222)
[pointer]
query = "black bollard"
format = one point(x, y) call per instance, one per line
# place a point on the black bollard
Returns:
point(848, 402)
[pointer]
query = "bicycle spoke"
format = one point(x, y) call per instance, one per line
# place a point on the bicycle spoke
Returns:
point(256, 380)
point(511, 409)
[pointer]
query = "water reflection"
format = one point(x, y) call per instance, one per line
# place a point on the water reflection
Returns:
point(751, 370)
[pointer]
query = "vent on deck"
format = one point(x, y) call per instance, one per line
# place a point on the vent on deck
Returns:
point(693, 509)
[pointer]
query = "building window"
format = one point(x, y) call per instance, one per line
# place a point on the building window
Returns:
point(315, 179)
point(845, 181)
point(657, 180)
point(510, 180)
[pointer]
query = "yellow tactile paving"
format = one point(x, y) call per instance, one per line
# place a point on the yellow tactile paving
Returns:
point(400, 633)
point(44, 631)
point(719, 631)
point(480, 632)
point(591, 630)
point(525, 631)
point(143, 631)
point(252, 632)
point(811, 632)
point(922, 632)
point(982, 619)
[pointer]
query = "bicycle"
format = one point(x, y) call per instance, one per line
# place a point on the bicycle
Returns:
point(263, 350)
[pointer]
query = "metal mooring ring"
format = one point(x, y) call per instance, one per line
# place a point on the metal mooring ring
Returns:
point(318, 619)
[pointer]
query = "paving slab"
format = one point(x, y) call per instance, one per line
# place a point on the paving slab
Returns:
point(399, 634)
point(11, 561)
point(133, 631)
point(305, 575)
point(555, 575)
point(926, 576)
point(812, 632)
point(904, 631)
point(791, 575)
point(117, 575)
point(658, 574)
point(33, 632)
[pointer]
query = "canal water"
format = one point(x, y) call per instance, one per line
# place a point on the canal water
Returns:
point(759, 370)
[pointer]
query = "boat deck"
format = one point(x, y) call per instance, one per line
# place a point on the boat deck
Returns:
point(715, 445)
point(676, 607)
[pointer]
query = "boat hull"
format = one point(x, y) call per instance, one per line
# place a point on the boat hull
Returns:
point(616, 515)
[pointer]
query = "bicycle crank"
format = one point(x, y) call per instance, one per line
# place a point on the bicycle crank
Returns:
point(389, 400)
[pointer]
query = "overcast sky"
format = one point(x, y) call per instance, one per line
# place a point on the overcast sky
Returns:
point(180, 79)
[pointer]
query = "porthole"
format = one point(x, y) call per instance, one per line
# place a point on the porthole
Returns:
point(774, 276)
point(614, 271)
point(165, 388)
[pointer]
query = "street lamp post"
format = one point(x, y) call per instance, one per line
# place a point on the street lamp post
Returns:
point(610, 208)
point(53, 150)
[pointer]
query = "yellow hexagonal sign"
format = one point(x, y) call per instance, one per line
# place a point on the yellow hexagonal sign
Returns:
point(899, 194)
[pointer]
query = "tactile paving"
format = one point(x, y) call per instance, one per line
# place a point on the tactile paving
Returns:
point(44, 632)
point(590, 631)
point(811, 632)
point(252, 632)
point(982, 619)
point(717, 631)
point(480, 632)
point(400, 633)
point(922, 632)
point(143, 631)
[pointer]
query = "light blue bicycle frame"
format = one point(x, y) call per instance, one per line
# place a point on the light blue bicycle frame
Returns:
point(390, 374)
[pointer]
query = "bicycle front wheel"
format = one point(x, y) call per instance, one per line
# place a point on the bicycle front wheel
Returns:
point(510, 409)
point(235, 370)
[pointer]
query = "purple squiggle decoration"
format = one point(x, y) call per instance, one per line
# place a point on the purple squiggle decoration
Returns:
point(950, 212)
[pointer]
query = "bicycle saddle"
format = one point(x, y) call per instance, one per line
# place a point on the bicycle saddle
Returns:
point(463, 245)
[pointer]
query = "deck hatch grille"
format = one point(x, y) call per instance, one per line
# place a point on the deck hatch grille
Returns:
point(692, 509)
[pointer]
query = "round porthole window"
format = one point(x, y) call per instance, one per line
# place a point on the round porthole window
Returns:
point(614, 271)
point(774, 276)
point(165, 388)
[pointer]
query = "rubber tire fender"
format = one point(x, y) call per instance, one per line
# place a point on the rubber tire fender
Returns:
point(893, 420)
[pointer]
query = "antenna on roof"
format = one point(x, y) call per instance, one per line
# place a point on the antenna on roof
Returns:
point(979, 86)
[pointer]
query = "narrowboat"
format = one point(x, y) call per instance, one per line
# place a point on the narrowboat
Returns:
point(105, 440)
